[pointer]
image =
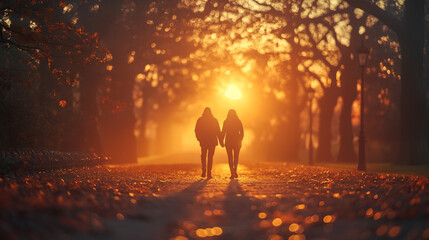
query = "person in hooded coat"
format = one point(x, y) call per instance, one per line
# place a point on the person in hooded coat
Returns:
point(233, 133)
point(207, 132)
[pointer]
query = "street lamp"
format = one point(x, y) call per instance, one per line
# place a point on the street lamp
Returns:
point(310, 116)
point(363, 53)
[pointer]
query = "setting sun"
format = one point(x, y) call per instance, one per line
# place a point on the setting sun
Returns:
point(232, 92)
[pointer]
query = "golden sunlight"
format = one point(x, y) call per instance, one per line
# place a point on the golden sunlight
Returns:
point(232, 92)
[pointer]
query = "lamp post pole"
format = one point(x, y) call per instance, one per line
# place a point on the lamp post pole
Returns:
point(310, 117)
point(362, 163)
point(363, 53)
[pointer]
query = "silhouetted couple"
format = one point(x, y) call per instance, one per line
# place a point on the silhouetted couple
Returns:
point(207, 132)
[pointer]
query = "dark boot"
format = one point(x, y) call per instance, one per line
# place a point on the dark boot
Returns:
point(209, 175)
point(203, 174)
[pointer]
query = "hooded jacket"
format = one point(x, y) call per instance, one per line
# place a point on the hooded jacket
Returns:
point(207, 129)
point(232, 130)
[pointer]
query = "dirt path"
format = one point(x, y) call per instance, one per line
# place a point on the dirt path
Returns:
point(281, 202)
point(217, 205)
point(268, 201)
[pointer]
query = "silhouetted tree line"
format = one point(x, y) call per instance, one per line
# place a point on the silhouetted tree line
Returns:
point(90, 76)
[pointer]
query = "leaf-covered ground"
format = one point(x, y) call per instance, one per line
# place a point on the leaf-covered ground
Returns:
point(268, 201)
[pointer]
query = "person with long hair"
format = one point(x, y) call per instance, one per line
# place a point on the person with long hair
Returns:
point(233, 133)
point(207, 132)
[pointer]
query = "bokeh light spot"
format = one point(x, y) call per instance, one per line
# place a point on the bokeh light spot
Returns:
point(394, 231)
point(293, 227)
point(277, 222)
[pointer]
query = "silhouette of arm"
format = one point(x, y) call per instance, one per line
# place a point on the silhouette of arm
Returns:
point(222, 135)
point(197, 130)
point(241, 131)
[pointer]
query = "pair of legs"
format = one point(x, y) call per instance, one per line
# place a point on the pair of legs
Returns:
point(233, 152)
point(207, 152)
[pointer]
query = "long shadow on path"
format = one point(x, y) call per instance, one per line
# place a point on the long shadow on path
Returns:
point(239, 216)
point(154, 219)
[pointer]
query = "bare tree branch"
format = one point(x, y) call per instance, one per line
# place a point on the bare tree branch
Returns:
point(389, 20)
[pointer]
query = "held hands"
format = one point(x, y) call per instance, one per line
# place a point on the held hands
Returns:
point(221, 143)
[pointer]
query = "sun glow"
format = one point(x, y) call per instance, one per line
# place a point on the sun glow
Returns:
point(232, 92)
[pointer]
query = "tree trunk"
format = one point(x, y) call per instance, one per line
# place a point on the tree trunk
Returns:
point(347, 151)
point(414, 149)
point(118, 124)
point(293, 122)
point(47, 101)
point(89, 108)
point(142, 141)
point(120, 142)
point(348, 94)
point(349, 78)
point(46, 86)
point(327, 104)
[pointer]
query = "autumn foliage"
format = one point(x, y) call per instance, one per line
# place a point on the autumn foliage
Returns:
point(128, 78)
